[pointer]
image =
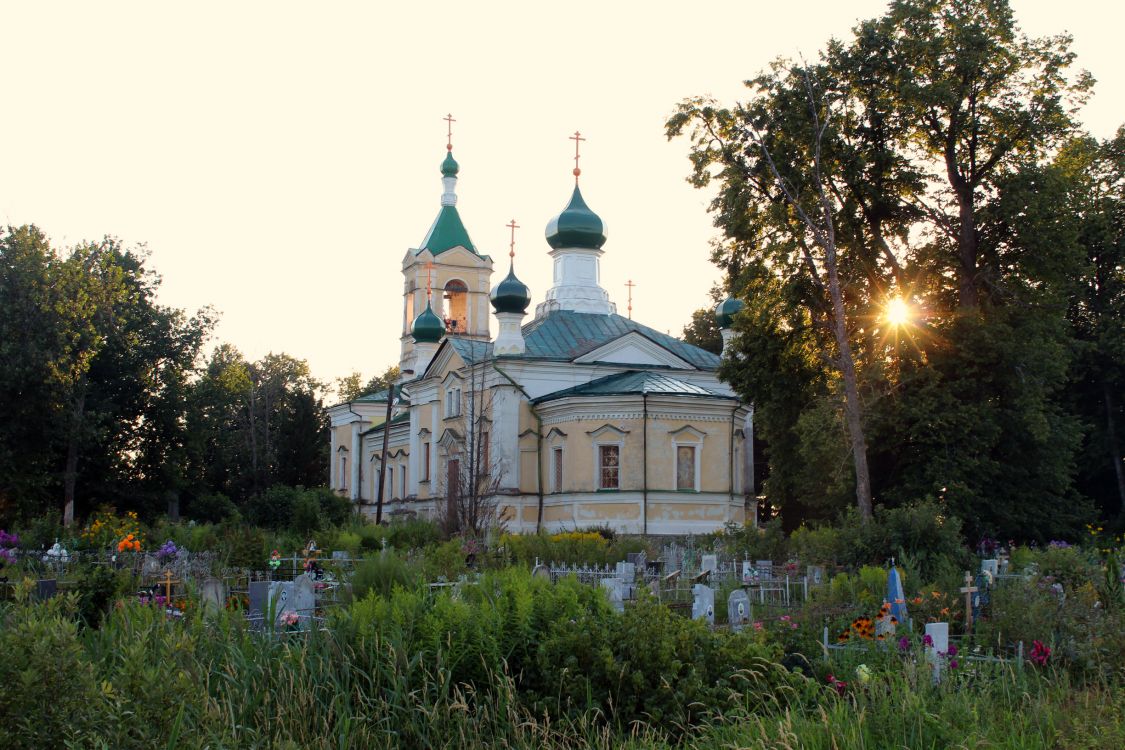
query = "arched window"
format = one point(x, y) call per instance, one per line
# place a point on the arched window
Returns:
point(456, 297)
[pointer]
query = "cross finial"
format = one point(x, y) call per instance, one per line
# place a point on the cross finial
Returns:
point(429, 268)
point(577, 138)
point(512, 246)
point(630, 285)
point(449, 131)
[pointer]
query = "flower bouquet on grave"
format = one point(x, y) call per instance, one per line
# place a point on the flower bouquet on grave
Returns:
point(290, 621)
point(275, 560)
point(167, 552)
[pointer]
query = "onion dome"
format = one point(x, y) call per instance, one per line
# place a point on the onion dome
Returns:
point(511, 295)
point(727, 309)
point(576, 226)
point(450, 167)
point(428, 327)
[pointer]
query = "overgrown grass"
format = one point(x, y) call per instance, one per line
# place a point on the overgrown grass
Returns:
point(511, 662)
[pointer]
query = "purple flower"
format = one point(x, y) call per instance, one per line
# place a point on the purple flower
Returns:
point(927, 640)
point(168, 551)
point(903, 643)
point(952, 650)
point(953, 664)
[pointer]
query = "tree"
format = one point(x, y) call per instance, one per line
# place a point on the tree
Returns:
point(978, 96)
point(350, 387)
point(799, 197)
point(94, 374)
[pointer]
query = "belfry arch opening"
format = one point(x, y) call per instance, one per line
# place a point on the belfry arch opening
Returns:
point(456, 298)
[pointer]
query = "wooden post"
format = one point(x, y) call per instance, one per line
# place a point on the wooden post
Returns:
point(386, 448)
point(968, 590)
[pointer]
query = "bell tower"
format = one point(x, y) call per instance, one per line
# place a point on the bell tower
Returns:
point(445, 274)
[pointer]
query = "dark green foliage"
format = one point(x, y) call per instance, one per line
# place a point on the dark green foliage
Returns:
point(97, 586)
point(212, 507)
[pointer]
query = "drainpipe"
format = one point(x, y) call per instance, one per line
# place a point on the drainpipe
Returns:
point(730, 470)
point(538, 447)
point(644, 457)
point(357, 460)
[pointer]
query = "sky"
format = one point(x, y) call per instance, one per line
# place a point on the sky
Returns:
point(278, 159)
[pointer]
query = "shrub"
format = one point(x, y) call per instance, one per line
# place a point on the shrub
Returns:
point(818, 545)
point(306, 514)
point(381, 574)
point(212, 508)
point(413, 533)
point(335, 510)
point(273, 508)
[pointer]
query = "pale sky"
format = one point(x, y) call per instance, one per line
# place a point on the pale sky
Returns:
point(279, 159)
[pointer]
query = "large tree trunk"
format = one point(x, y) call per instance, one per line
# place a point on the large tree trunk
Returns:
point(967, 247)
point(70, 472)
point(853, 411)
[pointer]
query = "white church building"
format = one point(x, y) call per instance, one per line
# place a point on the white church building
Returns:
point(566, 418)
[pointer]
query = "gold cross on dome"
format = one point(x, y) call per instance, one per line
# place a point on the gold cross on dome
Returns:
point(577, 138)
point(429, 268)
point(630, 284)
point(449, 131)
point(512, 247)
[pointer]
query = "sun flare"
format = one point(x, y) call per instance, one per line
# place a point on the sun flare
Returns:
point(898, 312)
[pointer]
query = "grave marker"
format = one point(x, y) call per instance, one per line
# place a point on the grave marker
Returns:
point(738, 610)
point(703, 607)
point(213, 595)
point(613, 587)
point(709, 563)
point(968, 590)
point(939, 638)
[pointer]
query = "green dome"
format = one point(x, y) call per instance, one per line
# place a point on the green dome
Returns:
point(511, 295)
point(428, 327)
point(727, 309)
point(576, 226)
point(449, 166)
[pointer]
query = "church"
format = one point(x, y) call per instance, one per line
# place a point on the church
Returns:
point(567, 418)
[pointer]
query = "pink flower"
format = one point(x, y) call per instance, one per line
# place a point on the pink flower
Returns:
point(793, 626)
point(1040, 653)
point(757, 626)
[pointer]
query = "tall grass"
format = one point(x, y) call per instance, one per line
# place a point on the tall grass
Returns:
point(381, 677)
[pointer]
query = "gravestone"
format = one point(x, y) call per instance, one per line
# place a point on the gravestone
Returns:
point(815, 575)
point(709, 563)
point(46, 589)
point(614, 589)
point(541, 571)
point(765, 568)
point(738, 610)
point(703, 607)
point(991, 567)
point(280, 598)
point(627, 572)
point(748, 572)
point(304, 596)
point(213, 595)
point(150, 568)
point(939, 634)
point(340, 554)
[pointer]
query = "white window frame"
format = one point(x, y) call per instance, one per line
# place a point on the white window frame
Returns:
point(620, 445)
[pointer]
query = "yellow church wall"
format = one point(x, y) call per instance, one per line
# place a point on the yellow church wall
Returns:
point(593, 513)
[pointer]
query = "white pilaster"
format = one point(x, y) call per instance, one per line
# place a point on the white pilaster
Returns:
point(728, 336)
point(357, 459)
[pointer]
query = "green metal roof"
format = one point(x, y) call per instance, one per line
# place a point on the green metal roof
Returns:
point(447, 232)
point(565, 335)
point(397, 419)
point(633, 382)
point(378, 397)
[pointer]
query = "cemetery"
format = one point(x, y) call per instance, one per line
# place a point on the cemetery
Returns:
point(368, 636)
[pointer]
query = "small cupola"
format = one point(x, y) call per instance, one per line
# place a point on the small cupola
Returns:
point(724, 318)
point(511, 295)
point(726, 310)
point(428, 327)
